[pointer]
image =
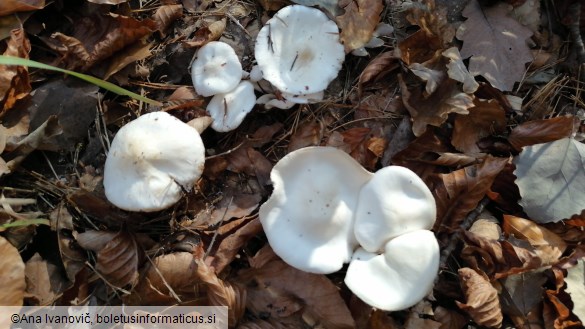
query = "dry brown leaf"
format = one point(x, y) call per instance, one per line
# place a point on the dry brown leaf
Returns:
point(434, 109)
point(496, 258)
point(12, 270)
point(229, 247)
point(430, 76)
point(484, 119)
point(415, 155)
point(118, 255)
point(496, 44)
point(486, 226)
point(248, 160)
point(131, 54)
point(433, 20)
point(277, 290)
point(169, 279)
point(483, 304)
point(44, 281)
point(358, 22)
point(522, 294)
point(98, 37)
point(360, 144)
point(419, 47)
point(458, 72)
point(459, 192)
point(8, 7)
point(207, 33)
point(541, 131)
point(14, 81)
point(165, 15)
point(378, 67)
point(308, 134)
point(72, 257)
point(449, 319)
point(548, 245)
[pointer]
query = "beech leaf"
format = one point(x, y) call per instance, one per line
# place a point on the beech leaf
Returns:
point(483, 304)
point(496, 44)
point(359, 22)
point(551, 177)
point(12, 274)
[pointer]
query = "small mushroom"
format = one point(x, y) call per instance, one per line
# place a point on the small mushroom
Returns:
point(401, 276)
point(216, 69)
point(298, 50)
point(395, 201)
point(151, 161)
point(308, 219)
point(228, 110)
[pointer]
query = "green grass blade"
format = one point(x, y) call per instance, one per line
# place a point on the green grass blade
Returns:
point(26, 222)
point(9, 60)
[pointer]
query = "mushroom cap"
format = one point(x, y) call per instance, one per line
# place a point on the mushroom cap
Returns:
point(308, 219)
point(400, 277)
point(298, 50)
point(395, 201)
point(228, 110)
point(151, 161)
point(216, 69)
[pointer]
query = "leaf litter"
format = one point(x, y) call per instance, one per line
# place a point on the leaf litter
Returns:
point(424, 100)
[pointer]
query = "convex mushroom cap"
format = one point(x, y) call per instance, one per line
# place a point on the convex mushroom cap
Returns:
point(298, 50)
point(228, 110)
point(395, 201)
point(216, 69)
point(400, 277)
point(308, 219)
point(151, 161)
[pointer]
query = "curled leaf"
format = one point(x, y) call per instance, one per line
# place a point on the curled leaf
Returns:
point(483, 304)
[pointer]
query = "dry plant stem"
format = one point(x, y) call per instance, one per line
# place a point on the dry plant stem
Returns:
point(465, 225)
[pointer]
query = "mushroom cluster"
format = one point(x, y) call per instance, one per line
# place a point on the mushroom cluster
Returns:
point(299, 53)
point(327, 210)
point(216, 71)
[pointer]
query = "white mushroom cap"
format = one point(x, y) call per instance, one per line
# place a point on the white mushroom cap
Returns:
point(400, 277)
point(151, 161)
point(395, 201)
point(304, 99)
point(308, 220)
point(228, 110)
point(298, 50)
point(269, 101)
point(216, 69)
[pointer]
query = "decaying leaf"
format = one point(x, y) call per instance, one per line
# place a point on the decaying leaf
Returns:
point(483, 304)
point(496, 44)
point(44, 281)
point(458, 72)
point(360, 144)
point(576, 288)
point(434, 109)
point(358, 22)
point(14, 81)
point(484, 119)
point(98, 37)
point(432, 77)
point(522, 293)
point(449, 319)
point(541, 131)
point(432, 20)
point(165, 15)
point(308, 134)
point(12, 273)
point(118, 255)
point(419, 47)
point(276, 290)
point(551, 177)
point(459, 192)
point(8, 7)
point(548, 245)
point(378, 67)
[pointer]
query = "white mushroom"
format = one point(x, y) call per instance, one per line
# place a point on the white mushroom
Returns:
point(216, 69)
point(395, 201)
point(228, 110)
point(298, 50)
point(308, 220)
point(400, 277)
point(151, 161)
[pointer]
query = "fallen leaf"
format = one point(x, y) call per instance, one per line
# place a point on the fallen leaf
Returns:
point(307, 134)
point(484, 119)
point(419, 47)
point(360, 144)
point(576, 288)
point(8, 7)
point(459, 192)
point(551, 177)
point(434, 109)
point(433, 20)
point(548, 246)
point(432, 77)
point(249, 161)
point(378, 67)
point(118, 255)
point(165, 15)
point(72, 257)
point(44, 281)
point(98, 37)
point(541, 131)
point(277, 290)
point(458, 72)
point(496, 44)
point(329, 5)
point(133, 53)
point(449, 319)
point(12, 270)
point(522, 293)
point(483, 304)
point(358, 22)
point(14, 80)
